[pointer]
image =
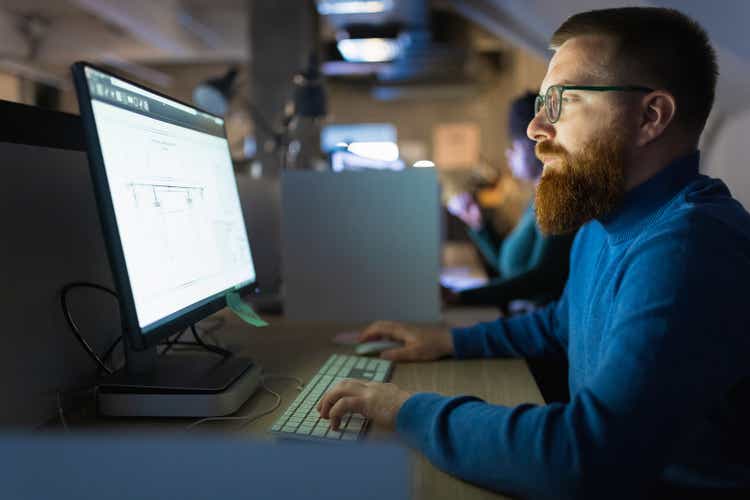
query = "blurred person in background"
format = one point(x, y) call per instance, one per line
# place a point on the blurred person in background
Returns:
point(529, 265)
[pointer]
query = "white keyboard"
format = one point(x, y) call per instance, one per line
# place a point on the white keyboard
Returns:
point(302, 421)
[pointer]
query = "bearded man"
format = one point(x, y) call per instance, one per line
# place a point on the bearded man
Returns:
point(653, 317)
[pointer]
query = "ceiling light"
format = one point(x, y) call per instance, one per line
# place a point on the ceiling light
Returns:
point(333, 7)
point(385, 151)
point(423, 164)
point(369, 49)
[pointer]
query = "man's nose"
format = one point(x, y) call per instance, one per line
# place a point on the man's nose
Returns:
point(540, 128)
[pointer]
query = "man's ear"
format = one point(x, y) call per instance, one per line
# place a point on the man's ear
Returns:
point(658, 109)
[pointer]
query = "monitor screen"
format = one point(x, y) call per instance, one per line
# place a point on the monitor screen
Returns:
point(174, 197)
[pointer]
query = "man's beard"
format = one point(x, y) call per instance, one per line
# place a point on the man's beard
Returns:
point(580, 187)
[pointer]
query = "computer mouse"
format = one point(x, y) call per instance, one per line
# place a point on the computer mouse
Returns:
point(376, 347)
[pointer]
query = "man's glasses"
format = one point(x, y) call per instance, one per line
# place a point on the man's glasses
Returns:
point(552, 100)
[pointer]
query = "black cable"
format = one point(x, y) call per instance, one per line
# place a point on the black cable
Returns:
point(208, 347)
point(74, 327)
point(110, 350)
point(172, 342)
point(100, 361)
point(208, 326)
point(216, 324)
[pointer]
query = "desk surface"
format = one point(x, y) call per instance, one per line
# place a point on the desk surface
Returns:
point(300, 349)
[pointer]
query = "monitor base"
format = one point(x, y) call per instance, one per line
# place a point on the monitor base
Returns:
point(180, 386)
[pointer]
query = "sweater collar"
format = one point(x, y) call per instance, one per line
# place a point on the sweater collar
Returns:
point(646, 198)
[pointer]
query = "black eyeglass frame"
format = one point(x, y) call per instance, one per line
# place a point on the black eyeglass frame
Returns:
point(542, 101)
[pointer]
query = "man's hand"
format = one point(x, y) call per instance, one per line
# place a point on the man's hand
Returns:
point(419, 344)
point(374, 400)
point(465, 208)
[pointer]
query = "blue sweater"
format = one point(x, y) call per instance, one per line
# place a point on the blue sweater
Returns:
point(654, 323)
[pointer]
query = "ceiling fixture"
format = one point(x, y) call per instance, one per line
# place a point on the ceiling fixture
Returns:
point(383, 151)
point(337, 7)
point(368, 43)
point(369, 49)
point(423, 164)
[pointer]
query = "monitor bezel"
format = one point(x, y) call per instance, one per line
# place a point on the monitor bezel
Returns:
point(132, 331)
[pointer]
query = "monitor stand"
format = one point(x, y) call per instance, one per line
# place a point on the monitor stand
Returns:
point(177, 385)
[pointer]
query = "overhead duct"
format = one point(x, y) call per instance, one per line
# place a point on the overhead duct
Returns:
point(416, 55)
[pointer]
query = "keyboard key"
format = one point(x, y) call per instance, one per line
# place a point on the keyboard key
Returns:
point(355, 424)
point(343, 372)
point(349, 435)
point(328, 363)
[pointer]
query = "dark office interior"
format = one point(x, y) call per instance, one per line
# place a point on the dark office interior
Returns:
point(403, 249)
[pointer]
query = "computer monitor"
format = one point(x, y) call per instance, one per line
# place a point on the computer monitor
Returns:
point(175, 235)
point(168, 203)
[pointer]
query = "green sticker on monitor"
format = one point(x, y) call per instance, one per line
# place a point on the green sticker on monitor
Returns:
point(243, 310)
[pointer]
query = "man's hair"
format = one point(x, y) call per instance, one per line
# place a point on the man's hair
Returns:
point(659, 48)
point(520, 114)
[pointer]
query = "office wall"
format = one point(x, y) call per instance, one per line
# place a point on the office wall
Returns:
point(10, 89)
point(725, 156)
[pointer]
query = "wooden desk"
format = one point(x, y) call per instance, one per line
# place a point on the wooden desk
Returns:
point(300, 349)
